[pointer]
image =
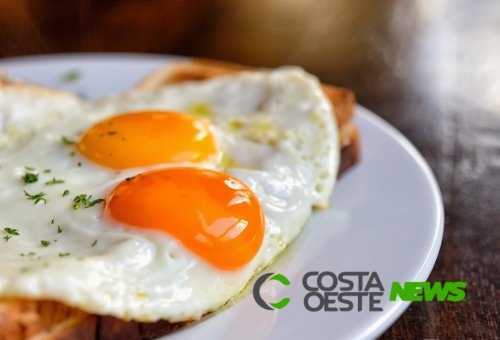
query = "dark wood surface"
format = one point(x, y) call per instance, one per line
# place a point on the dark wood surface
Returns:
point(431, 68)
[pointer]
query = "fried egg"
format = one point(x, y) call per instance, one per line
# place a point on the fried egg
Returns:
point(161, 205)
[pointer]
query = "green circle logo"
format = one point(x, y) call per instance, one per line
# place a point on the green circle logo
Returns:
point(256, 291)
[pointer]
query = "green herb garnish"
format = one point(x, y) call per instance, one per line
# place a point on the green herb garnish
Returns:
point(54, 181)
point(30, 177)
point(94, 243)
point(66, 141)
point(9, 232)
point(37, 198)
point(85, 201)
point(70, 76)
point(65, 193)
point(45, 243)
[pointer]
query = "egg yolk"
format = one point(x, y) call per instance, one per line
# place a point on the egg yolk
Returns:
point(212, 214)
point(145, 138)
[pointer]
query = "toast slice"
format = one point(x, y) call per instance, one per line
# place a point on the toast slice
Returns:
point(343, 100)
point(51, 320)
point(22, 319)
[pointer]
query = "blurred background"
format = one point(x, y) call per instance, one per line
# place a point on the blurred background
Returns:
point(352, 43)
point(438, 46)
point(429, 67)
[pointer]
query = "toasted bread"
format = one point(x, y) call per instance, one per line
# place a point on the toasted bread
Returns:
point(51, 320)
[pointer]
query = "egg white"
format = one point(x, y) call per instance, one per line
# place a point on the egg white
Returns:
point(276, 128)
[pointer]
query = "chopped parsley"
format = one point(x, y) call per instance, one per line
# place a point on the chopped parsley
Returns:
point(29, 168)
point(45, 243)
point(85, 201)
point(70, 76)
point(9, 232)
point(52, 221)
point(47, 171)
point(29, 254)
point(59, 229)
point(63, 254)
point(65, 193)
point(30, 177)
point(94, 243)
point(37, 198)
point(66, 141)
point(54, 181)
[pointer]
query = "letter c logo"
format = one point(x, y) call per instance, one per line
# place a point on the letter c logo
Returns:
point(256, 291)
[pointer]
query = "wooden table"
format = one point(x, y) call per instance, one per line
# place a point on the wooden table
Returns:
point(431, 68)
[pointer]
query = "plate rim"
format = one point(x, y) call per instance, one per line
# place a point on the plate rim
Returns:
point(425, 269)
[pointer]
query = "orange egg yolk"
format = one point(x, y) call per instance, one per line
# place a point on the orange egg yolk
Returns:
point(212, 214)
point(145, 138)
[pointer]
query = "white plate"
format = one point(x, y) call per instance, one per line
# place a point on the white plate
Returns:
point(386, 216)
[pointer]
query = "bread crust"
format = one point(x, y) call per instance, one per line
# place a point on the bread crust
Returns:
point(41, 319)
point(51, 320)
